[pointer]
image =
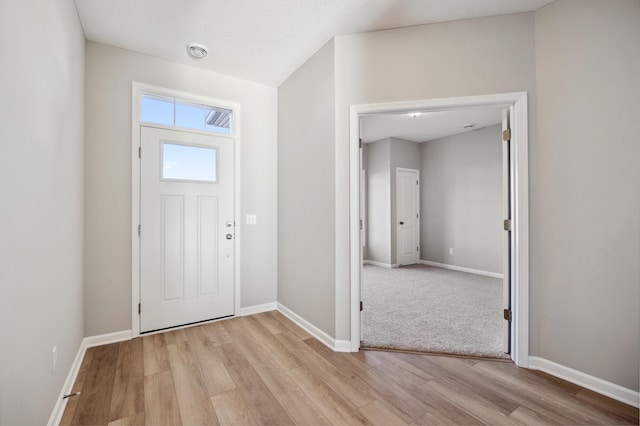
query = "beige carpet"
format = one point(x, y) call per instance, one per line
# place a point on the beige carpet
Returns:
point(423, 308)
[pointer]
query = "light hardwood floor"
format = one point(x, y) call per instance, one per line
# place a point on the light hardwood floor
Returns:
point(264, 369)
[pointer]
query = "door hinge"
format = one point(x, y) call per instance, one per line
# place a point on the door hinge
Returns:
point(507, 224)
point(417, 182)
point(360, 142)
point(506, 135)
point(508, 314)
point(139, 230)
point(139, 152)
point(417, 214)
point(418, 248)
point(361, 224)
point(139, 308)
point(361, 306)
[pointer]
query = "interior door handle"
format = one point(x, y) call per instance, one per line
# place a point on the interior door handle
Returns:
point(229, 236)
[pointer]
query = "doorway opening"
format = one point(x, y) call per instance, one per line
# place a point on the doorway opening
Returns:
point(515, 242)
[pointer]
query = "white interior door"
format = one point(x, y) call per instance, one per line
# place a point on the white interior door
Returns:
point(508, 235)
point(187, 228)
point(407, 216)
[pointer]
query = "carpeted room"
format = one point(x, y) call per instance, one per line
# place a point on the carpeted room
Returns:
point(448, 297)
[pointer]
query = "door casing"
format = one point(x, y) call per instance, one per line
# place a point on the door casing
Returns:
point(137, 90)
point(517, 102)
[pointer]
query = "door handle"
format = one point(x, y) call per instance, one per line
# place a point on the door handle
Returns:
point(229, 236)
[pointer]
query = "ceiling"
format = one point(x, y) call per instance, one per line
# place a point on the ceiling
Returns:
point(427, 126)
point(263, 40)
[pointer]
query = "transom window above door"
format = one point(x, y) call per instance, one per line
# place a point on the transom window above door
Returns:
point(169, 111)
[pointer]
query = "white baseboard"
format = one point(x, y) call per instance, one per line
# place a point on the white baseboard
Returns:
point(256, 309)
point(330, 342)
point(461, 269)
point(585, 380)
point(87, 342)
point(382, 265)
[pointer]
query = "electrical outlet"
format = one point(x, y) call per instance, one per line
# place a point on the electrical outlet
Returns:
point(450, 251)
point(54, 358)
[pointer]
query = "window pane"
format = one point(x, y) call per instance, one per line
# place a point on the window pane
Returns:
point(157, 110)
point(218, 120)
point(190, 116)
point(186, 162)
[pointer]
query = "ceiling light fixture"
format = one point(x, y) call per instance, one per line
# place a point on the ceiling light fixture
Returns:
point(197, 51)
point(414, 114)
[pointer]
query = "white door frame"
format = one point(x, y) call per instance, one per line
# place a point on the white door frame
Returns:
point(517, 102)
point(137, 90)
point(404, 169)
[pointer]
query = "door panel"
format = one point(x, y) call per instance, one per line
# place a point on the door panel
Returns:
point(407, 212)
point(186, 260)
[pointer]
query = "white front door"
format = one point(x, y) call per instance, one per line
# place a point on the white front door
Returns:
point(407, 216)
point(187, 228)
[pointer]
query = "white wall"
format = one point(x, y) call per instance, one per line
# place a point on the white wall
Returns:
point(461, 200)
point(41, 117)
point(378, 199)
point(305, 191)
point(109, 73)
point(461, 58)
point(585, 230)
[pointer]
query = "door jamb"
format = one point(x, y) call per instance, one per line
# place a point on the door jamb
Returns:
point(520, 141)
point(137, 90)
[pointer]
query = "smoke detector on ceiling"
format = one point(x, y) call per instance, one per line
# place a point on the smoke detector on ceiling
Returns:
point(197, 51)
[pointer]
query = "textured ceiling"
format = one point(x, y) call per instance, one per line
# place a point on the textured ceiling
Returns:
point(263, 40)
point(427, 126)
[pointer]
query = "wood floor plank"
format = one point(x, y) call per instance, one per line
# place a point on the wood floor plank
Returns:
point(268, 321)
point(72, 402)
point(483, 412)
point(378, 414)
point(232, 410)
point(283, 323)
point(301, 409)
point(133, 420)
point(214, 374)
point(242, 337)
point(160, 400)
point(178, 335)
point(217, 333)
point(529, 417)
point(128, 388)
point(156, 357)
point(258, 398)
point(95, 400)
point(351, 387)
point(193, 399)
point(278, 351)
point(554, 403)
point(327, 400)
point(609, 405)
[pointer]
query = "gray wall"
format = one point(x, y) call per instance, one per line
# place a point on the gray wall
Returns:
point(461, 200)
point(461, 58)
point(109, 73)
point(306, 203)
point(382, 159)
point(41, 117)
point(585, 206)
point(378, 201)
point(404, 154)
